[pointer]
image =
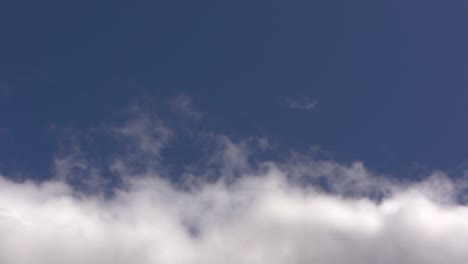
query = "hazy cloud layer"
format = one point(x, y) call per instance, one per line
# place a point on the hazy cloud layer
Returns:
point(301, 209)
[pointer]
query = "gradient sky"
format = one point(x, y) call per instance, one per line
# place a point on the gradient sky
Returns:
point(389, 76)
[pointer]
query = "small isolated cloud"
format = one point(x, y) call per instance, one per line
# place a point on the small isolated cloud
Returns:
point(182, 105)
point(306, 104)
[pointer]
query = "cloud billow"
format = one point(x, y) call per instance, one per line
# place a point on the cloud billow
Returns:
point(258, 219)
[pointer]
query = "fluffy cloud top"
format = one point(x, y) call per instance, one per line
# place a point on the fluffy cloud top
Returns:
point(264, 218)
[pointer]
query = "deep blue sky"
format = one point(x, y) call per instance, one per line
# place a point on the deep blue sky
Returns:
point(390, 77)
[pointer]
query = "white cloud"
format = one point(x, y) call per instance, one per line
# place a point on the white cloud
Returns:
point(264, 217)
point(306, 104)
point(298, 210)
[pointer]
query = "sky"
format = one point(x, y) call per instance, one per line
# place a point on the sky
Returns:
point(270, 131)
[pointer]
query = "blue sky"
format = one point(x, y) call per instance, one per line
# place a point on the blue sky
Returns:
point(287, 123)
point(389, 77)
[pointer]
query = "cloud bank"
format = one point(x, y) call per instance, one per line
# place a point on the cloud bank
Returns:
point(297, 210)
point(257, 219)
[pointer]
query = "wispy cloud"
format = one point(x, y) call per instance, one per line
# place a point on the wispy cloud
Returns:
point(306, 104)
point(182, 105)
